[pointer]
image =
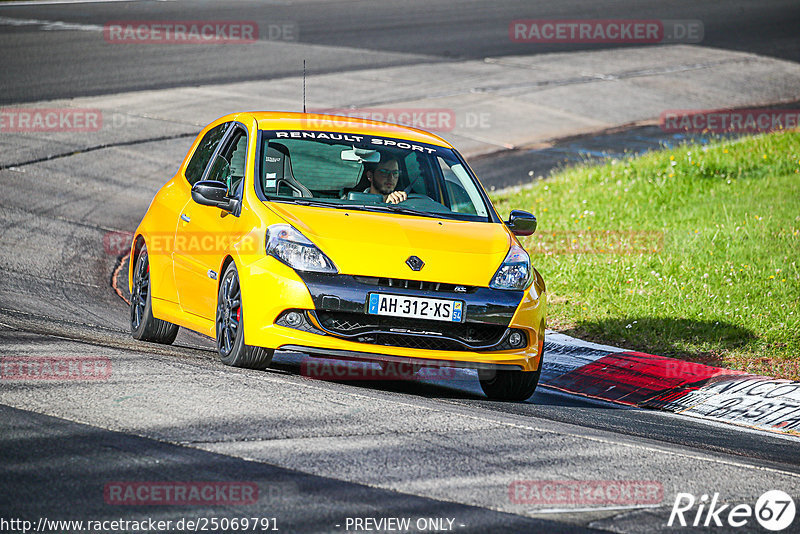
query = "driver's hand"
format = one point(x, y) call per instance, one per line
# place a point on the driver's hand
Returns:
point(396, 197)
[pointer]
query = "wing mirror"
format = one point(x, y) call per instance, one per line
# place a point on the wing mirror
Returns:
point(212, 193)
point(521, 223)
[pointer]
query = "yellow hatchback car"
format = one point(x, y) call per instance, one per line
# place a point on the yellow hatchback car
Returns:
point(339, 238)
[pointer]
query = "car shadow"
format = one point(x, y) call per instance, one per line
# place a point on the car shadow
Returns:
point(461, 385)
point(457, 384)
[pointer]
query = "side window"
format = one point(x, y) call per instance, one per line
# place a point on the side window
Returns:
point(228, 166)
point(203, 153)
point(462, 200)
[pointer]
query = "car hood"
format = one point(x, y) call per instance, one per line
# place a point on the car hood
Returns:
point(378, 244)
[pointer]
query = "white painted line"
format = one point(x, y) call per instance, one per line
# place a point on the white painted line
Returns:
point(598, 509)
point(551, 390)
point(56, 2)
point(48, 25)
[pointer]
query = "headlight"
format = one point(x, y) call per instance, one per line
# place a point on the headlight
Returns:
point(515, 272)
point(295, 250)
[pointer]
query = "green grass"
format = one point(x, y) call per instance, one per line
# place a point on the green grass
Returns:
point(691, 252)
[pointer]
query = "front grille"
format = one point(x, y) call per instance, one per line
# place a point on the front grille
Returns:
point(413, 342)
point(415, 284)
point(412, 333)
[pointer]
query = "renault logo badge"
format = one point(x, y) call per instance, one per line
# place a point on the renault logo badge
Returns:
point(415, 263)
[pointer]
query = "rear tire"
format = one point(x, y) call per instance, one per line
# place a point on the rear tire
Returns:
point(229, 326)
point(144, 326)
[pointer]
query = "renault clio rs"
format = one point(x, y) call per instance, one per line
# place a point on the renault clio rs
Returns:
point(338, 238)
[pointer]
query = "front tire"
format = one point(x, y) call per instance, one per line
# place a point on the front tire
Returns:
point(509, 385)
point(144, 326)
point(230, 330)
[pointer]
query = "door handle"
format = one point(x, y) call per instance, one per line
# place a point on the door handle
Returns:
point(185, 217)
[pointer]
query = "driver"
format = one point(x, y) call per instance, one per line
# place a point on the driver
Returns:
point(383, 180)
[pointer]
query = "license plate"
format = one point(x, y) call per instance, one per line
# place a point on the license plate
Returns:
point(416, 307)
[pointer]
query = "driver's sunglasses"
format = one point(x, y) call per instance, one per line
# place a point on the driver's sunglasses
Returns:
point(387, 172)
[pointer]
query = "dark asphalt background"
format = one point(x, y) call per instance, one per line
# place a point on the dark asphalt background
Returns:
point(69, 63)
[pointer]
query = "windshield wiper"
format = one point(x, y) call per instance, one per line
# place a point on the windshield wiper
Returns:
point(305, 202)
point(409, 211)
point(394, 208)
point(383, 208)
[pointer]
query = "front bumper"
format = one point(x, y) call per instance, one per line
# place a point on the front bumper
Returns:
point(336, 325)
point(404, 332)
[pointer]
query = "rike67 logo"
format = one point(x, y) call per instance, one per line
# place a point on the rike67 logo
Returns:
point(774, 510)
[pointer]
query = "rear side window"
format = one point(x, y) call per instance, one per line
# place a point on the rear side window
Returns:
point(196, 166)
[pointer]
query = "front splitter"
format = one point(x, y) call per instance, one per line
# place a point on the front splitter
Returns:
point(338, 354)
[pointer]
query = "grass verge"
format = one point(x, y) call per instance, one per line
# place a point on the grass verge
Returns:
point(691, 252)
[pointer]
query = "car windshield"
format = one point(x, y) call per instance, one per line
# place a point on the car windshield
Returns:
point(341, 170)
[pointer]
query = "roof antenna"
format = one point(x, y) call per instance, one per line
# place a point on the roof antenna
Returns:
point(304, 86)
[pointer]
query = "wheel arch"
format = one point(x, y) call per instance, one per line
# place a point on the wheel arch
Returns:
point(136, 247)
point(227, 260)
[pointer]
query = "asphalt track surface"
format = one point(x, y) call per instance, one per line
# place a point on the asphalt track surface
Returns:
point(319, 451)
